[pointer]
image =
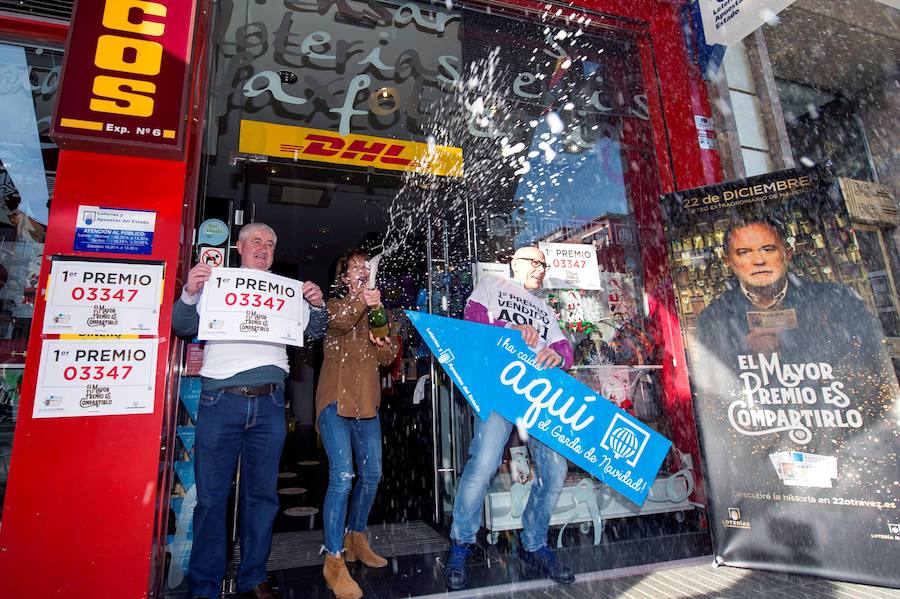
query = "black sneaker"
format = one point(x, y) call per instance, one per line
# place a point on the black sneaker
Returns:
point(455, 570)
point(543, 561)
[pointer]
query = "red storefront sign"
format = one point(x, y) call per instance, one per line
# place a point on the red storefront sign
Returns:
point(125, 82)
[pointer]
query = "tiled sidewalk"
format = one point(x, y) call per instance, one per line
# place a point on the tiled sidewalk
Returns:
point(685, 579)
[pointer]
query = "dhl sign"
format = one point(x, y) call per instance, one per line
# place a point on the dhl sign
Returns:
point(320, 145)
point(125, 77)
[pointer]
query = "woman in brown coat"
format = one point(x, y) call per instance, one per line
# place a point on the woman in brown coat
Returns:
point(347, 401)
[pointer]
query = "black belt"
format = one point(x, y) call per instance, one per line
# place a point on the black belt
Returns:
point(252, 391)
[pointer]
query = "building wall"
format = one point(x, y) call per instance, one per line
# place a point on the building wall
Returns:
point(845, 48)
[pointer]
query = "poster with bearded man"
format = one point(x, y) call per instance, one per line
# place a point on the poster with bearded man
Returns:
point(794, 391)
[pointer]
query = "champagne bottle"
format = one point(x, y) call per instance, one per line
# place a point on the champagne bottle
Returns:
point(378, 322)
point(378, 318)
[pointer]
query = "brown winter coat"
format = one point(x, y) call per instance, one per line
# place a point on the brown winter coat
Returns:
point(349, 374)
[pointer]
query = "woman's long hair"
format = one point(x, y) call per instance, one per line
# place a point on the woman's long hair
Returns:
point(339, 288)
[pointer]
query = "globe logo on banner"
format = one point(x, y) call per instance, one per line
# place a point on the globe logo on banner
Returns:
point(494, 370)
point(625, 440)
point(624, 443)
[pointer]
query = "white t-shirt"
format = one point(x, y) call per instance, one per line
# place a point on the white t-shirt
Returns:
point(508, 301)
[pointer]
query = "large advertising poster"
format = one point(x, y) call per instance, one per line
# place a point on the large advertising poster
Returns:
point(795, 396)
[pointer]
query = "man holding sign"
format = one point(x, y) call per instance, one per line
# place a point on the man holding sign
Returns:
point(511, 304)
point(241, 414)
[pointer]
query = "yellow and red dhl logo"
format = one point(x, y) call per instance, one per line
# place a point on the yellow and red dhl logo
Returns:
point(303, 143)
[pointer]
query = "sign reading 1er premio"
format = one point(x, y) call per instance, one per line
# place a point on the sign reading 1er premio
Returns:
point(571, 266)
point(95, 378)
point(242, 304)
point(103, 298)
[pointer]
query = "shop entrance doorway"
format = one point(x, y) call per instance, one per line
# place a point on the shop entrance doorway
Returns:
point(318, 215)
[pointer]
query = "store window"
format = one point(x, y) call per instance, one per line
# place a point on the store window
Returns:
point(825, 128)
point(584, 189)
point(29, 79)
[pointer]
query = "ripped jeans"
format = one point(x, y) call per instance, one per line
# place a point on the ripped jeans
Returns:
point(345, 438)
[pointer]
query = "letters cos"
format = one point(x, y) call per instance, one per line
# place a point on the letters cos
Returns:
point(119, 51)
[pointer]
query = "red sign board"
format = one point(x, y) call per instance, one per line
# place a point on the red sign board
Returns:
point(125, 78)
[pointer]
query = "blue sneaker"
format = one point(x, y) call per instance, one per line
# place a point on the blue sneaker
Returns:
point(455, 570)
point(543, 561)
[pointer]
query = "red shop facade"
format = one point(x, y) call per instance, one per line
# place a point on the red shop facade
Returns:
point(195, 136)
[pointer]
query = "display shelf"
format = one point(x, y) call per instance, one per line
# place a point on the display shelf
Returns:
point(179, 544)
point(587, 503)
point(625, 386)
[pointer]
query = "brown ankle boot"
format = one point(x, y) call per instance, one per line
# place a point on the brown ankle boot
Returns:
point(356, 547)
point(338, 578)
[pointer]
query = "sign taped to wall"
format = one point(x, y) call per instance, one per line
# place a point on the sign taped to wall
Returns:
point(571, 266)
point(114, 230)
point(103, 298)
point(86, 377)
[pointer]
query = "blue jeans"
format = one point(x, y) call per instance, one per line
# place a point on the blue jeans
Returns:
point(485, 455)
point(344, 438)
point(229, 426)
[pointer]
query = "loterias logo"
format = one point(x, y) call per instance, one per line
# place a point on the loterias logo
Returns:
point(734, 519)
point(495, 371)
point(893, 533)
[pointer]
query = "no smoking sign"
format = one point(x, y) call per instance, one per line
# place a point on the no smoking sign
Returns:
point(212, 256)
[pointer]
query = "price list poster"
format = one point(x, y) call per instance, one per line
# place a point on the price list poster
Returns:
point(100, 349)
point(794, 392)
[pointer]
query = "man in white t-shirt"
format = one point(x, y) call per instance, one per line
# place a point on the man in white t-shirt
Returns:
point(241, 414)
point(510, 304)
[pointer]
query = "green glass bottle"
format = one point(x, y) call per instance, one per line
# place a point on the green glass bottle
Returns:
point(378, 322)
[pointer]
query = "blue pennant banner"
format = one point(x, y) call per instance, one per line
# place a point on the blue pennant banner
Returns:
point(494, 370)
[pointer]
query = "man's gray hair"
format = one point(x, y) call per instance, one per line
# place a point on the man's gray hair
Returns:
point(249, 228)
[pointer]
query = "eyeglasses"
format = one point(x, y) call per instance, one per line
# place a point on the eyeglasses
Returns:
point(536, 263)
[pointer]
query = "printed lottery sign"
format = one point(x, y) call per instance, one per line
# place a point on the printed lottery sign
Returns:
point(242, 304)
point(95, 378)
point(571, 266)
point(103, 298)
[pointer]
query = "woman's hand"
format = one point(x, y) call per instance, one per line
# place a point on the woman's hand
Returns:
point(378, 340)
point(372, 297)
